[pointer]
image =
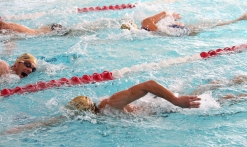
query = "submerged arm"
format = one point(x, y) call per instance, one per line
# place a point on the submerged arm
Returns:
point(30, 126)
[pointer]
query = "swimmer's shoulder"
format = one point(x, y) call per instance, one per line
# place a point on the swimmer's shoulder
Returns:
point(2, 62)
point(103, 103)
point(5, 68)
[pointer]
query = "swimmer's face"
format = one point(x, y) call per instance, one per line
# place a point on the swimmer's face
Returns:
point(24, 68)
point(82, 103)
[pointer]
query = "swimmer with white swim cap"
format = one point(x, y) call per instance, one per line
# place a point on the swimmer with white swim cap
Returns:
point(176, 28)
point(23, 66)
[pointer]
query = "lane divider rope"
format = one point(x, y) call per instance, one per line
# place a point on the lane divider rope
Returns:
point(68, 11)
point(42, 85)
point(165, 63)
point(115, 74)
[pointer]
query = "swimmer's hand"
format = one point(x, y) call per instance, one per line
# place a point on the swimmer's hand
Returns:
point(187, 101)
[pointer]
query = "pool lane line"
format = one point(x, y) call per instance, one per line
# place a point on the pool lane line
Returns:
point(42, 85)
point(70, 11)
point(165, 63)
point(116, 74)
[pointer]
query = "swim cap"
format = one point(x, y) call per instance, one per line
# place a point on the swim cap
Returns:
point(27, 57)
point(129, 26)
point(56, 26)
point(60, 30)
point(82, 103)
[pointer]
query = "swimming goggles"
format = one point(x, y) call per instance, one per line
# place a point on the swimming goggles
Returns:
point(28, 65)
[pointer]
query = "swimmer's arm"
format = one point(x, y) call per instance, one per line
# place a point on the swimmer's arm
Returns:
point(30, 126)
point(17, 28)
point(120, 99)
point(150, 22)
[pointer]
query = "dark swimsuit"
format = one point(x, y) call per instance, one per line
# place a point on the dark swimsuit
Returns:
point(177, 30)
point(172, 26)
point(177, 26)
point(145, 29)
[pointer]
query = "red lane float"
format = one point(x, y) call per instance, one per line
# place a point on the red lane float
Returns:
point(225, 50)
point(111, 7)
point(41, 85)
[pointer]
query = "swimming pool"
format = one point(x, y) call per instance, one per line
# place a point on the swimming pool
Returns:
point(108, 49)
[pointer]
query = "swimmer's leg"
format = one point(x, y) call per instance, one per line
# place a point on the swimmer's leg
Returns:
point(150, 22)
point(195, 29)
point(205, 88)
point(243, 17)
point(240, 79)
point(232, 97)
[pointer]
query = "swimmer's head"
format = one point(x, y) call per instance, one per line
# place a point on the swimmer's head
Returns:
point(129, 26)
point(56, 26)
point(82, 103)
point(24, 65)
point(61, 30)
point(26, 57)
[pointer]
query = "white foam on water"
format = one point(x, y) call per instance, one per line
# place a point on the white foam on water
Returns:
point(208, 104)
point(50, 69)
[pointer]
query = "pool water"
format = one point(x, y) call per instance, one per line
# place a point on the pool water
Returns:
point(109, 48)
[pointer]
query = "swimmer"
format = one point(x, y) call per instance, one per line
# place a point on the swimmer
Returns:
point(8, 27)
point(23, 66)
point(149, 24)
point(119, 101)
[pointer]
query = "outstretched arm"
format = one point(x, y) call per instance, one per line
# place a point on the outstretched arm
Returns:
point(16, 28)
point(23, 29)
point(121, 99)
point(30, 126)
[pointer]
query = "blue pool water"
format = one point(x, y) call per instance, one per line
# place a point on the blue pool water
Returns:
point(161, 124)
